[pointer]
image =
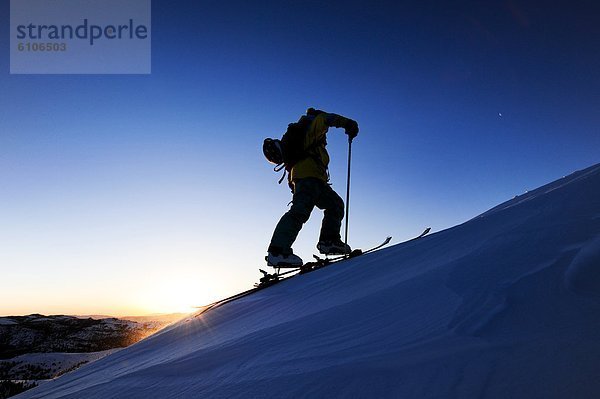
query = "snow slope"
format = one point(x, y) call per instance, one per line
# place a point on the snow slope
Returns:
point(506, 305)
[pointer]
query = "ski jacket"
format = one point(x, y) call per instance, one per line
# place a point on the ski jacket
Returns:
point(316, 164)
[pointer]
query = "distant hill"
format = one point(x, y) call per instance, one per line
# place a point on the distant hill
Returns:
point(70, 334)
point(164, 318)
point(38, 347)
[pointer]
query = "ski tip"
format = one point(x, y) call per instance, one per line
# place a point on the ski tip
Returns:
point(387, 240)
point(424, 233)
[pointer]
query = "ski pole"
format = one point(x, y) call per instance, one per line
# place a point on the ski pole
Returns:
point(348, 193)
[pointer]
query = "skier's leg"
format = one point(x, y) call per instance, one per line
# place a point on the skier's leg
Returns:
point(306, 192)
point(333, 205)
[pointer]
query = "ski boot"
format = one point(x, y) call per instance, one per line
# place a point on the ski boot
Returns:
point(282, 261)
point(333, 247)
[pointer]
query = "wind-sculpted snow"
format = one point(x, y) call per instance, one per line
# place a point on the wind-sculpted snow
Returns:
point(583, 274)
point(505, 305)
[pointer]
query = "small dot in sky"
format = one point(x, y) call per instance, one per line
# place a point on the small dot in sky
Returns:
point(500, 114)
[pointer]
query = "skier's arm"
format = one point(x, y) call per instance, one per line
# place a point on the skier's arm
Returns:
point(349, 125)
point(323, 121)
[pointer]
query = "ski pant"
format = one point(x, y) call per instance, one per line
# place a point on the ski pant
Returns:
point(308, 193)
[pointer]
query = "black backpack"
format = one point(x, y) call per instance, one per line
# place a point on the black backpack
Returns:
point(288, 151)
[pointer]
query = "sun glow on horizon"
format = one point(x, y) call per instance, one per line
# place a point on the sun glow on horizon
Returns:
point(183, 291)
point(176, 294)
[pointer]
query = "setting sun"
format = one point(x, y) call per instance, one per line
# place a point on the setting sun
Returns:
point(175, 294)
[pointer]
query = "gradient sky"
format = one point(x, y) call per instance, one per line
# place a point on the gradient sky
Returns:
point(137, 194)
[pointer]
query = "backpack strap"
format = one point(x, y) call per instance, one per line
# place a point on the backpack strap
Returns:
point(278, 168)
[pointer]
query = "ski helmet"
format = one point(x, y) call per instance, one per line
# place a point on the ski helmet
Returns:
point(273, 151)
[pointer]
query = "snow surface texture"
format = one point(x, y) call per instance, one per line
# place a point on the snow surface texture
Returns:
point(506, 305)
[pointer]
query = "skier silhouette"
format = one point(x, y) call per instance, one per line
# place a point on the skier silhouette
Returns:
point(309, 180)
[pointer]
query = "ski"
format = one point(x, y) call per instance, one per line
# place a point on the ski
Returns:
point(358, 252)
point(354, 253)
point(322, 262)
point(273, 278)
point(423, 234)
point(270, 279)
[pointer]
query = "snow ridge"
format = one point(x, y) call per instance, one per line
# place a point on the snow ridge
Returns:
point(504, 305)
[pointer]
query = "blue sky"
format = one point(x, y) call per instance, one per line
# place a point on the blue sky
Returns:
point(134, 194)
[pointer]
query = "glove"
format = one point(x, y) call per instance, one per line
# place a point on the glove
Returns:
point(351, 129)
point(314, 112)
